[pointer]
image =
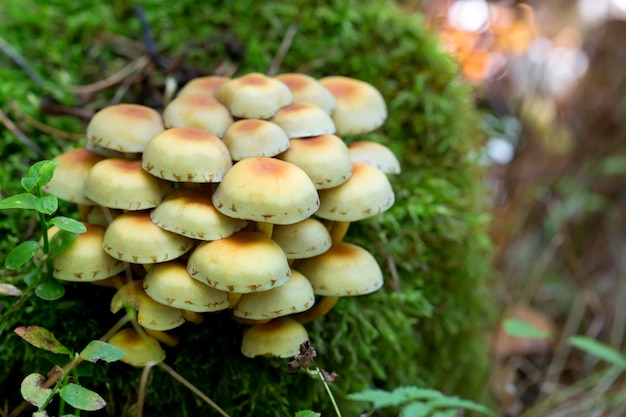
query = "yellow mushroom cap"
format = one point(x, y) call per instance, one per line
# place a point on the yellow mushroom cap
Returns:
point(124, 127)
point(305, 88)
point(123, 184)
point(190, 212)
point(301, 119)
point(133, 237)
point(85, 260)
point(150, 314)
point(376, 154)
point(295, 296)
point(254, 96)
point(360, 107)
point(248, 138)
point(206, 85)
point(304, 239)
point(185, 154)
point(280, 338)
point(70, 174)
point(138, 352)
point(169, 283)
point(198, 111)
point(266, 190)
point(325, 159)
point(242, 263)
point(343, 270)
point(366, 193)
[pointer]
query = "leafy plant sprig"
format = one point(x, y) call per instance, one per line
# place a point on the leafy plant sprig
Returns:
point(45, 286)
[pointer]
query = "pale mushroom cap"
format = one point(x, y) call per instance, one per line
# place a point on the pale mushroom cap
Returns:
point(198, 111)
point(360, 107)
point(307, 89)
point(295, 296)
point(366, 193)
point(304, 239)
point(248, 138)
point(280, 338)
point(191, 213)
point(85, 260)
point(343, 270)
point(169, 283)
point(124, 127)
point(242, 263)
point(254, 96)
point(376, 154)
point(187, 155)
point(133, 237)
point(206, 85)
point(325, 159)
point(138, 352)
point(301, 119)
point(266, 190)
point(150, 314)
point(69, 176)
point(123, 184)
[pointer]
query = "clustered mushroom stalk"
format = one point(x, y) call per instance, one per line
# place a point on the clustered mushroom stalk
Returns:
point(236, 198)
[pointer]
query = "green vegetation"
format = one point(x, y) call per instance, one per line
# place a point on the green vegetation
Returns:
point(425, 328)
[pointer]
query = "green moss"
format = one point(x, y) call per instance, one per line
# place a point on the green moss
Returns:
point(429, 333)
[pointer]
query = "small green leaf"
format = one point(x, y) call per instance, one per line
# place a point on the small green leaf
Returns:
point(599, 350)
point(415, 409)
point(32, 390)
point(41, 338)
point(50, 291)
point(307, 413)
point(68, 224)
point(521, 328)
point(98, 350)
point(82, 398)
point(60, 242)
point(22, 201)
point(9, 289)
point(28, 183)
point(459, 403)
point(47, 171)
point(21, 254)
point(42, 413)
point(47, 204)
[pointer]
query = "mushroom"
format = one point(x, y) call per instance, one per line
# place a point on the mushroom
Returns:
point(69, 176)
point(304, 239)
point(248, 138)
point(198, 111)
point(279, 338)
point(139, 351)
point(303, 119)
point(307, 89)
point(376, 154)
point(202, 86)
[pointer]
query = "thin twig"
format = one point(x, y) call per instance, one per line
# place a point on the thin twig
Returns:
point(282, 51)
point(143, 387)
point(8, 123)
point(44, 127)
point(21, 62)
point(137, 65)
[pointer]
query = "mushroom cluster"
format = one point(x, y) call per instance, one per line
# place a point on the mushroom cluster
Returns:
point(235, 198)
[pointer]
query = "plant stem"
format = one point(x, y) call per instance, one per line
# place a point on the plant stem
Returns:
point(330, 394)
point(44, 233)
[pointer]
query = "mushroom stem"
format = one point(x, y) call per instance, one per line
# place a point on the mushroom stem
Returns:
point(233, 299)
point(322, 307)
point(192, 316)
point(265, 228)
point(338, 231)
point(161, 336)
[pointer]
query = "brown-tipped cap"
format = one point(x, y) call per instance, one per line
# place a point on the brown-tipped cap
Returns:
point(191, 213)
point(205, 86)
point(266, 190)
point(307, 89)
point(343, 270)
point(202, 112)
point(138, 352)
point(169, 283)
point(248, 138)
point(366, 193)
point(123, 184)
point(69, 176)
point(133, 237)
point(85, 260)
point(254, 96)
point(295, 296)
point(124, 127)
point(242, 263)
point(375, 154)
point(279, 338)
point(185, 154)
point(360, 107)
point(304, 239)
point(303, 119)
point(325, 159)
